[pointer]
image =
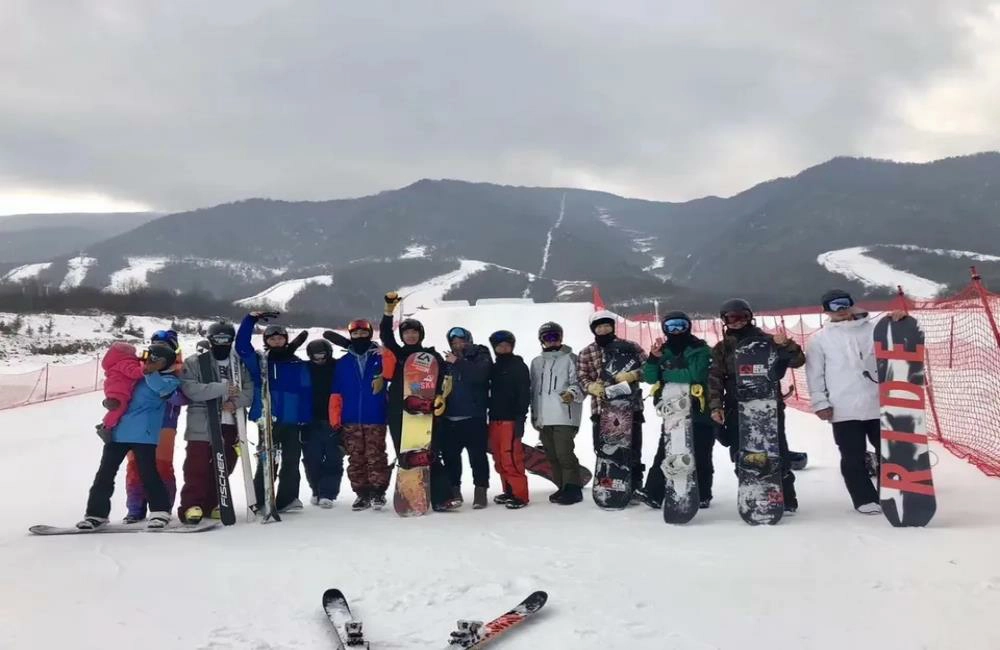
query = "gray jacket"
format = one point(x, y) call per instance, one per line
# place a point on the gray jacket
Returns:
point(552, 373)
point(199, 392)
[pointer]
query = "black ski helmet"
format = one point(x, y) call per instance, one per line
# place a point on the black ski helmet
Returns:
point(412, 324)
point(548, 328)
point(460, 333)
point(204, 345)
point(834, 294)
point(158, 351)
point(502, 336)
point(674, 315)
point(735, 304)
point(319, 346)
point(275, 330)
point(220, 334)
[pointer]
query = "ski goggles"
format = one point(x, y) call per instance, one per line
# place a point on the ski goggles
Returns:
point(733, 317)
point(222, 338)
point(459, 333)
point(839, 304)
point(275, 330)
point(360, 324)
point(675, 326)
point(319, 356)
point(550, 337)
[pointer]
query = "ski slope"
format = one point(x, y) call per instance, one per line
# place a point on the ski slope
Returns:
point(826, 578)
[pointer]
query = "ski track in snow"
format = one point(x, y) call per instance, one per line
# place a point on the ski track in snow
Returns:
point(615, 579)
point(430, 292)
point(76, 271)
point(26, 272)
point(548, 244)
point(282, 293)
point(136, 274)
point(854, 264)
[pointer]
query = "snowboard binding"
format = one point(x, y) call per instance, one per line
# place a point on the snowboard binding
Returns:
point(416, 405)
point(675, 464)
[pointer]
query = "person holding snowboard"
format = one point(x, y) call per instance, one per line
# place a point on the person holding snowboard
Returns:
point(291, 398)
point(138, 431)
point(556, 410)
point(358, 408)
point(590, 376)
point(510, 397)
point(411, 331)
point(844, 390)
point(738, 325)
point(135, 494)
point(682, 358)
point(321, 453)
point(464, 423)
point(199, 495)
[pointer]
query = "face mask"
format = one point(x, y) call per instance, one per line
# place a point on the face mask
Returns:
point(221, 352)
point(360, 345)
point(603, 339)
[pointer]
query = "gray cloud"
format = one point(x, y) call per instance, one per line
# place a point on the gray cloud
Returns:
point(184, 104)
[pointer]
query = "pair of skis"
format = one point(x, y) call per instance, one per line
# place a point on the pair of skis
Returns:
point(470, 634)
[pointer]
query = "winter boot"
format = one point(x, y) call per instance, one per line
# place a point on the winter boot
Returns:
point(314, 500)
point(292, 506)
point(90, 523)
point(869, 509)
point(133, 519)
point(704, 503)
point(193, 515)
point(556, 496)
point(514, 503)
point(502, 498)
point(645, 497)
point(571, 494)
point(456, 494)
point(158, 520)
point(378, 500)
point(215, 514)
point(363, 502)
point(479, 500)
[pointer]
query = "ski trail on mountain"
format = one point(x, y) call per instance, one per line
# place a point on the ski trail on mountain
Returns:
point(548, 244)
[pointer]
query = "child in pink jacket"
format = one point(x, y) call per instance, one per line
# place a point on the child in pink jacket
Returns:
point(122, 370)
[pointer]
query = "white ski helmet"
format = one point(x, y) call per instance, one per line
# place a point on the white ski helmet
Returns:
point(602, 316)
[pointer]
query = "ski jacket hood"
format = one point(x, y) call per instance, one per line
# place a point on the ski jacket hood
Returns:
point(553, 372)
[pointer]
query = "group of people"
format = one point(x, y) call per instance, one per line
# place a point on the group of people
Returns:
point(324, 407)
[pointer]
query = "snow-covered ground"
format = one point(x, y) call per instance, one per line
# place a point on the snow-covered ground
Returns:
point(414, 251)
point(136, 274)
point(281, 294)
point(76, 271)
point(26, 272)
point(430, 292)
point(826, 578)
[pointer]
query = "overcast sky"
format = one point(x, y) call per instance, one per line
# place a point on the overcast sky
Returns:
point(120, 104)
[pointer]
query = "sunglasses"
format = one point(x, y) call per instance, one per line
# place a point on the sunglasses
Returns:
point(839, 304)
point(675, 326)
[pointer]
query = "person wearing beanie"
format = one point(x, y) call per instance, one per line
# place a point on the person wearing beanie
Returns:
point(138, 431)
point(510, 397)
point(681, 358)
point(843, 388)
point(739, 325)
point(590, 377)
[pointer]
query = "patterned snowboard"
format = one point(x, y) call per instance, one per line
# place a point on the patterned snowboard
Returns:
point(413, 467)
point(173, 527)
point(680, 479)
point(612, 487)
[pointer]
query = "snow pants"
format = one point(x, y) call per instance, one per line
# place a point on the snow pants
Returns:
point(469, 434)
point(323, 459)
point(851, 436)
point(287, 439)
point(135, 494)
point(99, 500)
point(367, 462)
point(199, 472)
point(560, 449)
point(508, 457)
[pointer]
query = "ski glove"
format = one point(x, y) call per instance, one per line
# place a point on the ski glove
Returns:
point(596, 388)
point(566, 397)
point(438, 405)
point(391, 300)
point(629, 377)
point(378, 384)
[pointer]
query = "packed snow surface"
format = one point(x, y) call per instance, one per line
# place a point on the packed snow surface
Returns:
point(282, 293)
point(824, 579)
point(430, 292)
point(136, 274)
point(76, 271)
point(414, 251)
point(26, 272)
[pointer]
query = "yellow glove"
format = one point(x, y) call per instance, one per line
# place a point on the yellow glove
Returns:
point(628, 377)
point(566, 397)
point(698, 392)
point(378, 384)
point(391, 300)
point(438, 405)
point(446, 385)
point(596, 388)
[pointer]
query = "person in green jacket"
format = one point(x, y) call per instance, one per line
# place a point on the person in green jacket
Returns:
point(681, 359)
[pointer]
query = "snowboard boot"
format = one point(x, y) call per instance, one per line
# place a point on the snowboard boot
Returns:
point(363, 502)
point(645, 497)
point(514, 504)
point(869, 509)
point(456, 494)
point(571, 494)
point(378, 500)
point(502, 498)
point(133, 519)
point(705, 503)
point(158, 520)
point(324, 503)
point(479, 500)
point(292, 506)
point(216, 514)
point(193, 515)
point(555, 496)
point(90, 523)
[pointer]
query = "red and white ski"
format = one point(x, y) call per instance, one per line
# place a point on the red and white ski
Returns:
point(475, 634)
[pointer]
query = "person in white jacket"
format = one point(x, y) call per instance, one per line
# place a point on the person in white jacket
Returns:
point(843, 388)
point(556, 408)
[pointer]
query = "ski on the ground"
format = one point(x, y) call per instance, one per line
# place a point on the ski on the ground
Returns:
point(265, 447)
point(475, 634)
point(213, 408)
point(347, 629)
point(173, 527)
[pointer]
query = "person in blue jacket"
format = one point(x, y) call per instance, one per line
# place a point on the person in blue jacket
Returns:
point(137, 431)
point(291, 401)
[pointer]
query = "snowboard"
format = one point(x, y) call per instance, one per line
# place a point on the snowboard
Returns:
point(906, 487)
point(413, 466)
point(680, 480)
point(537, 463)
point(612, 489)
point(213, 408)
point(475, 634)
point(173, 527)
point(760, 496)
point(265, 446)
point(347, 629)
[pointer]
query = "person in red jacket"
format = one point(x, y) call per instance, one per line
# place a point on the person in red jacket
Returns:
point(510, 397)
point(122, 371)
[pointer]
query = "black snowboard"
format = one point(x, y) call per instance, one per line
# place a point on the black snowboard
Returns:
point(906, 487)
point(214, 409)
point(612, 488)
point(760, 496)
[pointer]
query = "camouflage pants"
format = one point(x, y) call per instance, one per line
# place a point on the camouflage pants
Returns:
point(367, 462)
